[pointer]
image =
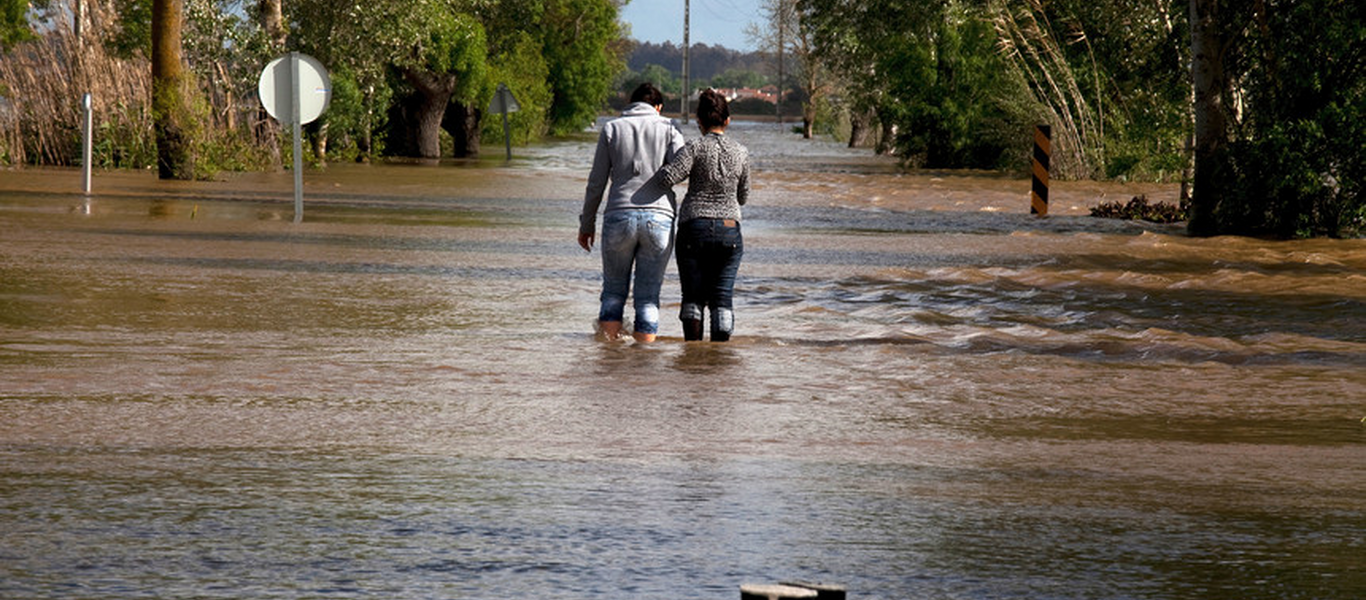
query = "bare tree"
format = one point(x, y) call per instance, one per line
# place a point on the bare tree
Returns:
point(785, 34)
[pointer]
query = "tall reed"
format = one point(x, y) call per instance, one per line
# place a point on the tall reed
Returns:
point(42, 82)
point(1034, 49)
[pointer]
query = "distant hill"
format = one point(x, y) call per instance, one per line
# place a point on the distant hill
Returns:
point(705, 62)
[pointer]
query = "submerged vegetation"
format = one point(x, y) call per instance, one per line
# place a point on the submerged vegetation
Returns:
point(1139, 209)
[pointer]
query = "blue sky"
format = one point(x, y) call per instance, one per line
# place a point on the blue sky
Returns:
point(713, 22)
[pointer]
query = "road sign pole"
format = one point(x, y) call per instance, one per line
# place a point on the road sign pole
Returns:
point(87, 132)
point(283, 96)
point(504, 102)
point(296, 111)
point(507, 135)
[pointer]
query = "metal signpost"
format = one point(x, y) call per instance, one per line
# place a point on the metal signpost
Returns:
point(87, 146)
point(504, 102)
point(295, 89)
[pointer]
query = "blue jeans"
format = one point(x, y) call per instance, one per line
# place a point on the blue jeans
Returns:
point(709, 252)
point(642, 239)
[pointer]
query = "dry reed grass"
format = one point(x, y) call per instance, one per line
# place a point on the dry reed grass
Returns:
point(1034, 49)
point(42, 83)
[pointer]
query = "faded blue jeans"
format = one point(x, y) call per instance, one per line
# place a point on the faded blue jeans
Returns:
point(639, 239)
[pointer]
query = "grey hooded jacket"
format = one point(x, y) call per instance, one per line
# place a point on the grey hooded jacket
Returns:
point(630, 149)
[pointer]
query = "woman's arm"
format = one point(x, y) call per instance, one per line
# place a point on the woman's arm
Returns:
point(742, 186)
point(676, 170)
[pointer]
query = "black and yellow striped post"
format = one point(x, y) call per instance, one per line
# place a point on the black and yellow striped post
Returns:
point(1043, 148)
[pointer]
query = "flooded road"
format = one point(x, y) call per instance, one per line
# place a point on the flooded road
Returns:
point(931, 394)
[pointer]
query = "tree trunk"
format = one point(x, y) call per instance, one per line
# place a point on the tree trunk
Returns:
point(170, 112)
point(1211, 129)
point(464, 124)
point(858, 127)
point(365, 143)
point(273, 23)
point(434, 91)
point(266, 130)
point(320, 142)
point(886, 141)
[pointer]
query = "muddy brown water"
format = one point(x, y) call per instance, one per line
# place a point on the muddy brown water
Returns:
point(931, 394)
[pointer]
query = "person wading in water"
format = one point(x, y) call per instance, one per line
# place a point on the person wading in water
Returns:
point(709, 240)
point(638, 219)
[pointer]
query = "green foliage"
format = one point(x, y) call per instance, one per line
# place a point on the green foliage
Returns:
point(739, 78)
point(454, 44)
point(353, 114)
point(523, 70)
point(1132, 64)
point(120, 140)
point(438, 42)
point(964, 81)
point(1295, 167)
point(931, 70)
point(752, 106)
point(948, 96)
point(132, 33)
point(577, 42)
point(13, 23)
point(661, 77)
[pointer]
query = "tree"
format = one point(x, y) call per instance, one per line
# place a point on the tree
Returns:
point(1208, 81)
point(928, 72)
point(739, 78)
point(525, 72)
point(272, 16)
point(1288, 161)
point(581, 44)
point(429, 51)
point(661, 77)
point(794, 39)
point(863, 42)
point(171, 90)
point(450, 65)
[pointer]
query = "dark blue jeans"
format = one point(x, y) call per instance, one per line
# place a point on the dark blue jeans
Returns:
point(708, 253)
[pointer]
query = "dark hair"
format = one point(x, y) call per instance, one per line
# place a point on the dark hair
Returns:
point(712, 109)
point(649, 94)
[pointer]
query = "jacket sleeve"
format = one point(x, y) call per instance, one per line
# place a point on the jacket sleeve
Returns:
point(597, 184)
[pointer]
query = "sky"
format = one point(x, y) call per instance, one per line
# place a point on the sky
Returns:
point(712, 22)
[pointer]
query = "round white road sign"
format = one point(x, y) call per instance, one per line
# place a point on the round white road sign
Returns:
point(314, 88)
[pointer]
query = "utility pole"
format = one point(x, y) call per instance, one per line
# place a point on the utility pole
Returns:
point(782, 27)
point(686, 92)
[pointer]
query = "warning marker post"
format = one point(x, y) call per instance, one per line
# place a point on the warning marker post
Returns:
point(1043, 148)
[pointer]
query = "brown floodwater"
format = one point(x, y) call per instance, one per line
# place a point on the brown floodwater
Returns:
point(931, 394)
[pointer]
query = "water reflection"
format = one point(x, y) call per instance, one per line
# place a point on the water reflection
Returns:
point(931, 394)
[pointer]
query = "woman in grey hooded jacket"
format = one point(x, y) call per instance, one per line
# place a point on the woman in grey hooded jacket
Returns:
point(637, 221)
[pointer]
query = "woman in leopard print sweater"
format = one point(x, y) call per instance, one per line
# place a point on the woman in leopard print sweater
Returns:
point(709, 243)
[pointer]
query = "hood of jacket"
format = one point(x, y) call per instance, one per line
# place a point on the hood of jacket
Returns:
point(639, 109)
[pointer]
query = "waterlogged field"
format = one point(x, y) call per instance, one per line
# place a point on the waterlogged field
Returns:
point(931, 394)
